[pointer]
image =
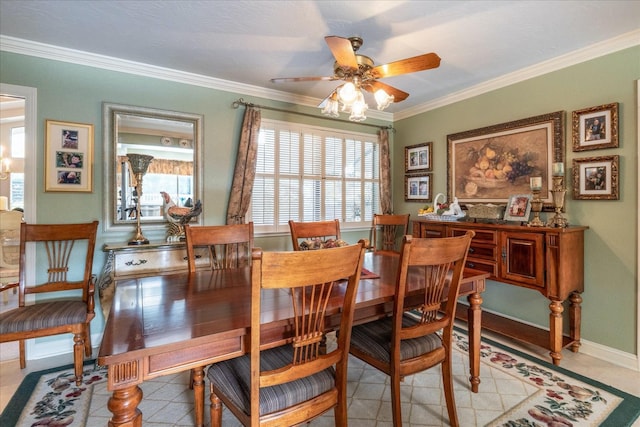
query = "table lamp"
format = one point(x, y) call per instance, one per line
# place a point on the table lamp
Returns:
point(139, 164)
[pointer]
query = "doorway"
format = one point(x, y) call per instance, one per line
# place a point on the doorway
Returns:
point(18, 135)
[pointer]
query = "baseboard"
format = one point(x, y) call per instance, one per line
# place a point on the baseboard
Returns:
point(56, 346)
point(593, 349)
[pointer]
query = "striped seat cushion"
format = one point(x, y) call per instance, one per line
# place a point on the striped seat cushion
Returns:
point(232, 378)
point(374, 339)
point(43, 316)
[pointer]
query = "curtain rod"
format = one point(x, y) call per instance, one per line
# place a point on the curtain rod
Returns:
point(239, 102)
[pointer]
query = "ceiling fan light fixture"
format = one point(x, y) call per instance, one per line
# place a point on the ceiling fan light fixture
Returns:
point(358, 109)
point(331, 107)
point(383, 99)
point(347, 93)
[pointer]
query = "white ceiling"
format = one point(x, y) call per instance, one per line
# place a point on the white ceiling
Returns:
point(482, 43)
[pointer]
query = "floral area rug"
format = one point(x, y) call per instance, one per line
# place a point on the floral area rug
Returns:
point(564, 398)
point(52, 398)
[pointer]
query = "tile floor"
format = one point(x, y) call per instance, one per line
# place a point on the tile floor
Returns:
point(168, 401)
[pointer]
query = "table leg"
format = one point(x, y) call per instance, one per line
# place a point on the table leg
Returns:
point(555, 333)
point(575, 318)
point(197, 376)
point(474, 324)
point(123, 404)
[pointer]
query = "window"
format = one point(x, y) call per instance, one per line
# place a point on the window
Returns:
point(307, 173)
point(16, 181)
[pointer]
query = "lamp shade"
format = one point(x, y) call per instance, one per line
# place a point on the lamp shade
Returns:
point(139, 162)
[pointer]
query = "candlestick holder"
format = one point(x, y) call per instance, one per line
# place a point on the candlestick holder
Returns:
point(139, 164)
point(558, 194)
point(536, 208)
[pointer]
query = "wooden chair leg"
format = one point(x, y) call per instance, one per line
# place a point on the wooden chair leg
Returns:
point(340, 413)
point(88, 351)
point(449, 397)
point(23, 358)
point(78, 356)
point(216, 410)
point(396, 407)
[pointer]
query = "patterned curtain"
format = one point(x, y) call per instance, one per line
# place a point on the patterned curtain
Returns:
point(163, 167)
point(245, 170)
point(386, 205)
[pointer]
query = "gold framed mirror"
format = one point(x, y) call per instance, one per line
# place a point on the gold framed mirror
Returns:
point(174, 139)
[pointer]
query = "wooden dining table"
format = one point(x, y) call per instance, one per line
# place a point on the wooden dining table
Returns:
point(163, 324)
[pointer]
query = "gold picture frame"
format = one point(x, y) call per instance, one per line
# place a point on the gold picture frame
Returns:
point(418, 157)
point(418, 188)
point(595, 128)
point(68, 157)
point(596, 178)
point(488, 164)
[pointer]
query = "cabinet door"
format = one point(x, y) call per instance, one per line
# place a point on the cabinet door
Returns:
point(423, 229)
point(522, 258)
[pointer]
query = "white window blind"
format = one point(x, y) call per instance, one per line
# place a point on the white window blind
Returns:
point(308, 173)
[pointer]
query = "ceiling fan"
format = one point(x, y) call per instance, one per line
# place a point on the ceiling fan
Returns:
point(360, 72)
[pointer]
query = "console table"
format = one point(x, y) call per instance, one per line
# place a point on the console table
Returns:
point(547, 259)
point(125, 261)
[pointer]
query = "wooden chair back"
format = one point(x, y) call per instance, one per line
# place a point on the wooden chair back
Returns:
point(64, 263)
point(387, 231)
point(312, 281)
point(228, 246)
point(429, 273)
point(310, 230)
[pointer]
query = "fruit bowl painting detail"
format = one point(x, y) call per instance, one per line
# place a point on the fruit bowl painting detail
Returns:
point(495, 168)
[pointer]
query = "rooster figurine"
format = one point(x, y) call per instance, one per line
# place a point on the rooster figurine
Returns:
point(178, 216)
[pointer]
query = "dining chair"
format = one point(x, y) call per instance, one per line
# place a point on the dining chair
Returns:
point(315, 235)
point(387, 230)
point(296, 381)
point(417, 336)
point(64, 263)
point(228, 246)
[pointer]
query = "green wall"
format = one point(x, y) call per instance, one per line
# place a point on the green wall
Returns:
point(70, 92)
point(611, 271)
point(75, 93)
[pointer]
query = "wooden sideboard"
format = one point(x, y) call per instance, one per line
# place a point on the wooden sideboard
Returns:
point(547, 259)
point(143, 260)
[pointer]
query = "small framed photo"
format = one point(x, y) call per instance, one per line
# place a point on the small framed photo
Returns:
point(68, 157)
point(518, 208)
point(595, 128)
point(418, 157)
point(596, 178)
point(417, 188)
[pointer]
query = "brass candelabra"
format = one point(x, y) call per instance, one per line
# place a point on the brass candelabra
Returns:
point(139, 164)
point(536, 208)
point(558, 192)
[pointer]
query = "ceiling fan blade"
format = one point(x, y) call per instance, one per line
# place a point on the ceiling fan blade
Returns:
point(398, 95)
point(301, 79)
point(409, 65)
point(342, 50)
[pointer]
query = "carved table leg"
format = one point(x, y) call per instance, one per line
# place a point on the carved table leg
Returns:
point(474, 325)
point(555, 333)
point(123, 404)
point(575, 319)
point(197, 377)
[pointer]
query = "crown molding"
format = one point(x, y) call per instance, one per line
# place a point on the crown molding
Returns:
point(57, 53)
point(597, 50)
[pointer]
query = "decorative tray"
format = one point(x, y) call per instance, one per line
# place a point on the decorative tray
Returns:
point(436, 217)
